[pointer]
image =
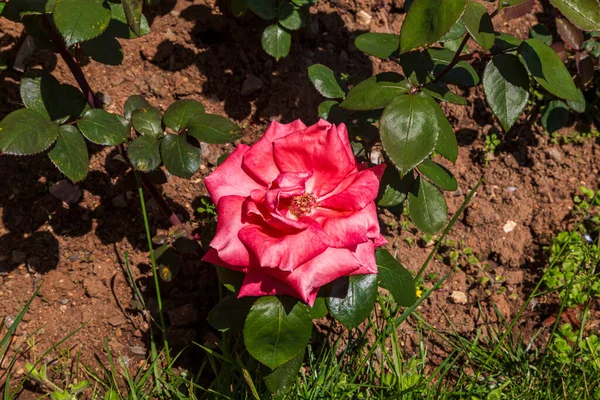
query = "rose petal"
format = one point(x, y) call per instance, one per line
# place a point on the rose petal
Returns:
point(258, 161)
point(355, 191)
point(229, 247)
point(346, 229)
point(318, 149)
point(258, 283)
point(212, 256)
point(229, 179)
point(276, 249)
point(343, 134)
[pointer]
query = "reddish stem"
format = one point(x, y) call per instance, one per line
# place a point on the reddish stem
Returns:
point(77, 73)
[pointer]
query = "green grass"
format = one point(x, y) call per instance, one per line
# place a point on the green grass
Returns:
point(558, 361)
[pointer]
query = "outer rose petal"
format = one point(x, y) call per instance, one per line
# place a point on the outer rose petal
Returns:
point(355, 191)
point(212, 256)
point(285, 251)
point(318, 149)
point(258, 161)
point(347, 229)
point(229, 179)
point(258, 283)
point(343, 134)
point(228, 246)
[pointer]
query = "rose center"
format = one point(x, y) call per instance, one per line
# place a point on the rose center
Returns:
point(302, 204)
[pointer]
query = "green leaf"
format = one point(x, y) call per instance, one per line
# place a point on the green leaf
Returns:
point(548, 69)
point(133, 103)
point(274, 334)
point(504, 42)
point(230, 313)
point(462, 74)
point(408, 133)
point(181, 158)
point(26, 132)
point(427, 207)
point(506, 87)
point(2, 5)
point(119, 27)
point(266, 9)
point(279, 381)
point(289, 17)
point(104, 49)
point(81, 20)
point(15, 9)
point(179, 114)
point(375, 92)
point(457, 31)
point(580, 105)
point(147, 121)
point(541, 33)
point(396, 279)
point(585, 14)
point(144, 153)
point(324, 81)
point(276, 41)
point(479, 24)
point(417, 66)
point(133, 12)
point(427, 21)
point(209, 128)
point(438, 175)
point(380, 45)
point(231, 279)
point(70, 153)
point(319, 309)
point(351, 299)
point(440, 91)
point(393, 188)
point(102, 127)
point(446, 145)
point(41, 92)
point(555, 116)
point(325, 108)
point(169, 263)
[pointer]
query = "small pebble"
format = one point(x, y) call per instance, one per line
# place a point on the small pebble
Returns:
point(139, 350)
point(509, 226)
point(458, 297)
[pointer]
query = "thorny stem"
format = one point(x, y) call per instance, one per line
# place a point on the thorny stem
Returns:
point(77, 73)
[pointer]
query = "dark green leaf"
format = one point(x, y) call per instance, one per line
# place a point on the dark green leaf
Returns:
point(381, 45)
point(462, 74)
point(133, 12)
point(427, 207)
point(230, 314)
point(446, 145)
point(396, 279)
point(325, 82)
point(319, 309)
point(273, 334)
point(104, 49)
point(479, 24)
point(119, 27)
point(427, 21)
point(279, 381)
point(375, 92)
point(41, 92)
point(555, 116)
point(276, 41)
point(133, 103)
point(169, 264)
point(70, 153)
point(351, 299)
point(580, 105)
point(179, 114)
point(181, 158)
point(325, 108)
point(457, 31)
point(209, 128)
point(541, 33)
point(438, 175)
point(102, 127)
point(441, 91)
point(408, 133)
point(144, 153)
point(232, 280)
point(393, 188)
point(25, 132)
point(417, 66)
point(289, 17)
point(548, 69)
point(504, 42)
point(81, 20)
point(266, 9)
point(15, 9)
point(506, 87)
point(585, 14)
point(147, 121)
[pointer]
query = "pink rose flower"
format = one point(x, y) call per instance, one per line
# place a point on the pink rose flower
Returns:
point(295, 211)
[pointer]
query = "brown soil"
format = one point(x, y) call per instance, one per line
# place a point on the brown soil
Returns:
point(197, 50)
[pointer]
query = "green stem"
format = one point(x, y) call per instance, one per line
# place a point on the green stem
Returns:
point(154, 269)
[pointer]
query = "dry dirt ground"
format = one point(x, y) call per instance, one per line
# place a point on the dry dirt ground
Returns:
point(198, 50)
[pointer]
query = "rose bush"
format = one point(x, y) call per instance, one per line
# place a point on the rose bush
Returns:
point(295, 211)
